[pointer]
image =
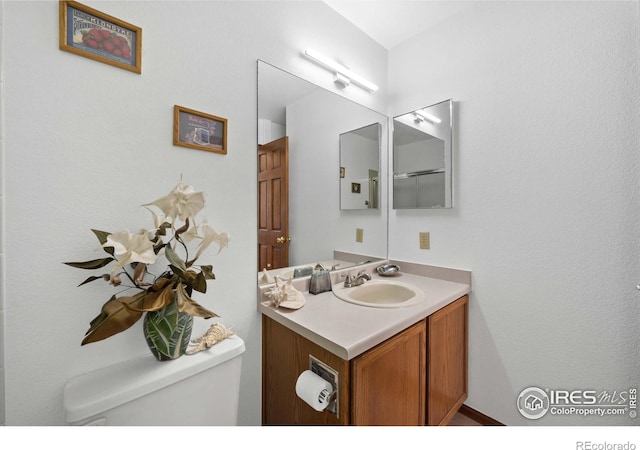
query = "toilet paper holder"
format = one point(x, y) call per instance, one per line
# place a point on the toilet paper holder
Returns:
point(331, 375)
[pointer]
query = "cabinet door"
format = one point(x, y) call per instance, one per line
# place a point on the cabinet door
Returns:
point(285, 355)
point(388, 382)
point(447, 352)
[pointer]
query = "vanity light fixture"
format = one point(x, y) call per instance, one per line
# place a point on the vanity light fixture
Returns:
point(342, 75)
point(426, 116)
point(340, 79)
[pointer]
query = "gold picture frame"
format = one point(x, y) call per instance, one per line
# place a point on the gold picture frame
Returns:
point(95, 35)
point(198, 130)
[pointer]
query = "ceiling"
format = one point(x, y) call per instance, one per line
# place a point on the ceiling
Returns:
point(391, 22)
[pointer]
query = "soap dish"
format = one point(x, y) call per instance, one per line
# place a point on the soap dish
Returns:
point(388, 270)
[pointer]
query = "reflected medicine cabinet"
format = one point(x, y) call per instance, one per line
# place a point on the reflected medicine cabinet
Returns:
point(422, 158)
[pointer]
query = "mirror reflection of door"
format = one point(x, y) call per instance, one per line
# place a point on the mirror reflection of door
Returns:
point(373, 189)
point(273, 205)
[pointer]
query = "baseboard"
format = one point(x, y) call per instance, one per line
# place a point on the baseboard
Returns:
point(477, 416)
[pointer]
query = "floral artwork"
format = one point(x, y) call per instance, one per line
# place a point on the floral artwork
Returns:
point(143, 284)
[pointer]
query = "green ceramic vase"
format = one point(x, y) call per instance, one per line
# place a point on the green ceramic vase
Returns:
point(168, 331)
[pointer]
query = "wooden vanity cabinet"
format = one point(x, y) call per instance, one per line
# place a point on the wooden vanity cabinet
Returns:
point(447, 355)
point(417, 377)
point(388, 383)
point(285, 355)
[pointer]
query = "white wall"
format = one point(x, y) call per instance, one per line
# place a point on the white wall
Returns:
point(546, 210)
point(85, 144)
point(315, 220)
point(547, 193)
point(2, 215)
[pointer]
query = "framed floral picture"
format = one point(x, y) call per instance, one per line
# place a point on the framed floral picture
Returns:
point(200, 131)
point(90, 33)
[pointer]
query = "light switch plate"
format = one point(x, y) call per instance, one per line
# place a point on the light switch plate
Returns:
point(359, 234)
point(425, 240)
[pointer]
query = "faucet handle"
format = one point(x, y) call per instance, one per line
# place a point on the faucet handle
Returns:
point(363, 273)
point(348, 279)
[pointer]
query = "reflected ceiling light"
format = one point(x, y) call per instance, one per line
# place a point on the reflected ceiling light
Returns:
point(342, 75)
point(426, 116)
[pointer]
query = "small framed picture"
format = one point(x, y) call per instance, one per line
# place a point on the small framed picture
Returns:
point(355, 188)
point(341, 172)
point(200, 131)
point(90, 33)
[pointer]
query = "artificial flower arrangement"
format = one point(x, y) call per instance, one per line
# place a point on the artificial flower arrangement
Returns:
point(166, 297)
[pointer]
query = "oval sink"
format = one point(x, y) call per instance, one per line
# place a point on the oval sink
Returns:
point(380, 294)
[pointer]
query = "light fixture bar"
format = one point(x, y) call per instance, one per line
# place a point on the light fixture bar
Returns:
point(426, 116)
point(340, 69)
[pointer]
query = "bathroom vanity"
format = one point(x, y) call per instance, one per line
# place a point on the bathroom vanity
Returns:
point(395, 366)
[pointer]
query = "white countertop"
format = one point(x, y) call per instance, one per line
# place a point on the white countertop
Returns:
point(347, 329)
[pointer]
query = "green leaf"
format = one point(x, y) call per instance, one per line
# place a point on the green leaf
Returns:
point(101, 235)
point(177, 271)
point(158, 246)
point(90, 279)
point(195, 280)
point(208, 272)
point(200, 283)
point(174, 259)
point(93, 264)
point(102, 238)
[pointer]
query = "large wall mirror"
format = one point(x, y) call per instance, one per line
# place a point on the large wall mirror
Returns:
point(422, 158)
point(300, 219)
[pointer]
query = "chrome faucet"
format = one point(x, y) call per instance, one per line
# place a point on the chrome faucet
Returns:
point(351, 281)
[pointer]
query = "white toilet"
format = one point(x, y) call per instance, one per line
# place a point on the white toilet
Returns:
point(199, 389)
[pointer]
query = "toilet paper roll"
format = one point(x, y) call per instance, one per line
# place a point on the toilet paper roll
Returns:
point(310, 387)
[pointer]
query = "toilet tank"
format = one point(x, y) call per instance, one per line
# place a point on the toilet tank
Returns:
point(198, 389)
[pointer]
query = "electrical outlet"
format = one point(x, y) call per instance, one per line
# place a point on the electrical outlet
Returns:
point(425, 240)
point(359, 234)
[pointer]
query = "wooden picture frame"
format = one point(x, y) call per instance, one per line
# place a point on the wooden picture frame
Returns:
point(198, 130)
point(355, 188)
point(95, 35)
